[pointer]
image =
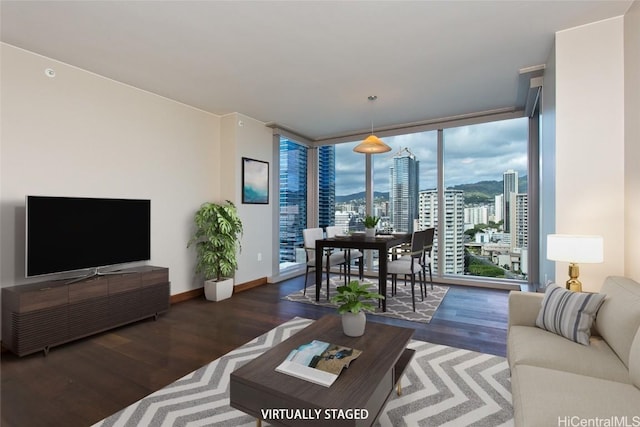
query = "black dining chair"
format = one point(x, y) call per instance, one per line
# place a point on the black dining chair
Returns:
point(409, 265)
point(329, 259)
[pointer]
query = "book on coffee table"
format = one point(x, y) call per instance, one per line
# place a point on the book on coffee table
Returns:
point(318, 362)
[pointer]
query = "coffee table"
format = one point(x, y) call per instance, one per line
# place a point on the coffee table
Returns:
point(361, 390)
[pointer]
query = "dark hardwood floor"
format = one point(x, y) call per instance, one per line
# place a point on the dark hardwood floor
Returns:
point(82, 382)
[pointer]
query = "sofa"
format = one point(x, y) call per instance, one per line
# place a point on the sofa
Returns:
point(556, 381)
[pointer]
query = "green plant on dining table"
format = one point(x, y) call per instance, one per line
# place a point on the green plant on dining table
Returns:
point(352, 298)
point(371, 221)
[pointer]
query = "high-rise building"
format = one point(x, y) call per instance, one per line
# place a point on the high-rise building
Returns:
point(520, 224)
point(326, 185)
point(510, 185)
point(403, 191)
point(293, 198)
point(475, 215)
point(453, 227)
point(498, 208)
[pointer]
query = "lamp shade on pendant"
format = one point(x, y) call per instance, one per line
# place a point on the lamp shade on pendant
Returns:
point(372, 145)
point(575, 248)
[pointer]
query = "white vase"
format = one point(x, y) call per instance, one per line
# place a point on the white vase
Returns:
point(218, 290)
point(370, 232)
point(353, 324)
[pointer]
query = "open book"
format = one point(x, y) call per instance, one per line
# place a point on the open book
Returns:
point(318, 362)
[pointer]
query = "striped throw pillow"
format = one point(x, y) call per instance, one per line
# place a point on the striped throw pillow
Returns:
point(569, 314)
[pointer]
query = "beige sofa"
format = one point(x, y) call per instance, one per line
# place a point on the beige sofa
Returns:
point(558, 382)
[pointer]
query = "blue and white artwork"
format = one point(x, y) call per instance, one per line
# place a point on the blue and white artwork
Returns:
point(255, 181)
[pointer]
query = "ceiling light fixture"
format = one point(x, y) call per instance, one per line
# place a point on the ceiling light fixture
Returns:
point(372, 144)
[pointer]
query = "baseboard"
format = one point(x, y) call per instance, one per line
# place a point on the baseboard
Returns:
point(197, 293)
point(184, 296)
point(250, 285)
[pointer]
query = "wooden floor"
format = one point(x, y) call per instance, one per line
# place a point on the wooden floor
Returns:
point(82, 382)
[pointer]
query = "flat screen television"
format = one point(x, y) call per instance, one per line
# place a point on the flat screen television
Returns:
point(73, 233)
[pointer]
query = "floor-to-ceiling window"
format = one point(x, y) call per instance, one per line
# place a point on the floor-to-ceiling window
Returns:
point(293, 203)
point(469, 182)
point(486, 199)
point(480, 213)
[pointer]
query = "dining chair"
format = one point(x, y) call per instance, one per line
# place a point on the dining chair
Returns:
point(426, 260)
point(409, 265)
point(329, 259)
point(351, 254)
point(426, 255)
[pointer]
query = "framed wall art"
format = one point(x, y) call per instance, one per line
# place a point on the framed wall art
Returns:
point(255, 181)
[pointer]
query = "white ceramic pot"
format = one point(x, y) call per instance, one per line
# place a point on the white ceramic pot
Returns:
point(353, 324)
point(218, 290)
point(370, 232)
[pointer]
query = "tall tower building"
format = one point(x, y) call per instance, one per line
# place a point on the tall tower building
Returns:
point(326, 185)
point(498, 206)
point(403, 191)
point(293, 198)
point(520, 224)
point(510, 185)
point(453, 229)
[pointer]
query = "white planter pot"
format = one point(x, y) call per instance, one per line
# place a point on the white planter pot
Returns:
point(370, 232)
point(353, 324)
point(218, 290)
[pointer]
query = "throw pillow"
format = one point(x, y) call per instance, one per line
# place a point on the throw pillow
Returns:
point(569, 314)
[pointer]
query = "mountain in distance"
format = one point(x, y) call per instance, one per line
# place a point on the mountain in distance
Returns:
point(477, 192)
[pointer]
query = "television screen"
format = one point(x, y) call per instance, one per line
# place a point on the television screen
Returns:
point(73, 233)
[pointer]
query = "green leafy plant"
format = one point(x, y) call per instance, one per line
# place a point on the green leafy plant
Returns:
point(217, 238)
point(371, 221)
point(352, 298)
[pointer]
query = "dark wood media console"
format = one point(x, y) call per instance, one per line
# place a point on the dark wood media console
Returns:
point(38, 316)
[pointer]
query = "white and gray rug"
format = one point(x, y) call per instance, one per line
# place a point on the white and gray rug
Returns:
point(443, 386)
point(399, 305)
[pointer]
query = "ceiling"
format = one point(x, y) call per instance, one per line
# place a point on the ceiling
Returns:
point(308, 66)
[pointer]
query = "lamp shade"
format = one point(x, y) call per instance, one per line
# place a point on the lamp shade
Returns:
point(372, 145)
point(575, 248)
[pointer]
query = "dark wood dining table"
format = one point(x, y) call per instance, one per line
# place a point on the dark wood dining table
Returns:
point(381, 243)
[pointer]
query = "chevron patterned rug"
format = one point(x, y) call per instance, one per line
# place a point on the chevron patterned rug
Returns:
point(399, 306)
point(443, 386)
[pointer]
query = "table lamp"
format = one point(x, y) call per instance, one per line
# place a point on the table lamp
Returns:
point(573, 248)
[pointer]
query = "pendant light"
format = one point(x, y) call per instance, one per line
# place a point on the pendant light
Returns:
point(372, 144)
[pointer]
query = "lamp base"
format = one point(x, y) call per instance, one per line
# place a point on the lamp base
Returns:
point(573, 284)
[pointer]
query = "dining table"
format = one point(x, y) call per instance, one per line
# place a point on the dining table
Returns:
point(381, 243)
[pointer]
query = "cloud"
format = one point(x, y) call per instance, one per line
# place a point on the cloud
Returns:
point(471, 154)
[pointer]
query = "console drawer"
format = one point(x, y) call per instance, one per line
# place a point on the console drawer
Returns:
point(123, 283)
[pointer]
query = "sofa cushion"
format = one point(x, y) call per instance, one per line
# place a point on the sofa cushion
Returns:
point(546, 397)
point(568, 313)
point(619, 317)
point(533, 346)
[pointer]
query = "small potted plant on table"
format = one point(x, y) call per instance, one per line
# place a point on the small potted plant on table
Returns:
point(217, 240)
point(352, 300)
point(370, 222)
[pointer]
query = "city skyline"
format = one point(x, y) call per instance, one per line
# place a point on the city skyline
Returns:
point(472, 154)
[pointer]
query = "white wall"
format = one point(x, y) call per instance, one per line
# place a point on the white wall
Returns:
point(632, 140)
point(590, 148)
point(243, 136)
point(80, 134)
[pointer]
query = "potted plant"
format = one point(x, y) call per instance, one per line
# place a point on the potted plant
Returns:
point(217, 238)
point(352, 300)
point(370, 223)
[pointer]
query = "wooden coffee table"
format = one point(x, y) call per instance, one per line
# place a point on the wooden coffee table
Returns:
point(361, 390)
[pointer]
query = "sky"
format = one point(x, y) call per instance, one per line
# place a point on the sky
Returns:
point(471, 154)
